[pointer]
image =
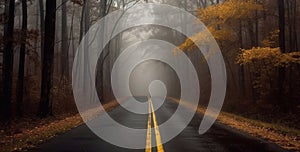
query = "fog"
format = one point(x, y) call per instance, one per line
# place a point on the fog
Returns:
point(149, 71)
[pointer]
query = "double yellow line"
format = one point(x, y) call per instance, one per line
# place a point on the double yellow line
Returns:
point(148, 141)
point(157, 134)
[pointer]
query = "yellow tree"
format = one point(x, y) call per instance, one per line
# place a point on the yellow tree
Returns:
point(224, 22)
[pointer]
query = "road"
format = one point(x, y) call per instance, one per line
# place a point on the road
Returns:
point(218, 139)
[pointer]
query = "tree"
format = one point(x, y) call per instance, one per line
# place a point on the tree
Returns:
point(64, 42)
point(224, 21)
point(281, 25)
point(42, 25)
point(22, 59)
point(103, 6)
point(8, 60)
point(45, 108)
point(85, 20)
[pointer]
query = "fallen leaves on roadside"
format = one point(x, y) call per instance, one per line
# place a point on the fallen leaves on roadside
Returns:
point(28, 136)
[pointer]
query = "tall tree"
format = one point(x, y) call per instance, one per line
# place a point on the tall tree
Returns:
point(8, 60)
point(281, 25)
point(64, 42)
point(22, 59)
point(42, 25)
point(85, 19)
point(47, 66)
point(104, 54)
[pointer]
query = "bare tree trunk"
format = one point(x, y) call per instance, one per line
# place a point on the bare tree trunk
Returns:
point(64, 42)
point(87, 16)
point(85, 19)
point(295, 25)
point(47, 69)
point(256, 28)
point(281, 74)
point(8, 61)
point(72, 34)
point(251, 34)
point(242, 67)
point(103, 5)
point(42, 26)
point(281, 24)
point(290, 26)
point(22, 60)
point(82, 21)
point(86, 24)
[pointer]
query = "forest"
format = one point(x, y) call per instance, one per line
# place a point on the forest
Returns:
point(259, 40)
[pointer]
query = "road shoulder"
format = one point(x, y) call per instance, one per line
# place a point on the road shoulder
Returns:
point(284, 137)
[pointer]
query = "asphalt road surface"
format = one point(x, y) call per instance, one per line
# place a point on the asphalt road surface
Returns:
point(218, 139)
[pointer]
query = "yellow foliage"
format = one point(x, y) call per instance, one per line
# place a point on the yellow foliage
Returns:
point(230, 9)
point(271, 40)
point(272, 56)
point(221, 20)
point(264, 62)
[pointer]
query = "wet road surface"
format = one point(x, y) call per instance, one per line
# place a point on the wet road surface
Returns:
point(218, 139)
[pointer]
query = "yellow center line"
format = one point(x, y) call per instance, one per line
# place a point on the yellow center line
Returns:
point(157, 134)
point(148, 141)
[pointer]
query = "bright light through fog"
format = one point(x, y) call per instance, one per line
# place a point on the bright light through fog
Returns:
point(151, 70)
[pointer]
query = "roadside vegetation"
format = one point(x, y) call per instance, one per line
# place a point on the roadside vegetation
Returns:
point(285, 136)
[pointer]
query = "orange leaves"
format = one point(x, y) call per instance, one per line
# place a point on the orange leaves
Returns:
point(223, 21)
point(259, 53)
point(264, 62)
point(271, 40)
point(187, 45)
point(33, 132)
point(271, 56)
point(229, 10)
